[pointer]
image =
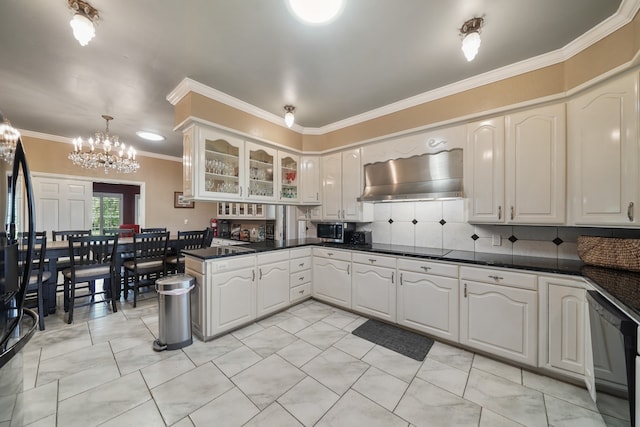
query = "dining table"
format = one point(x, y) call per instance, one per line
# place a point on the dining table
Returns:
point(60, 249)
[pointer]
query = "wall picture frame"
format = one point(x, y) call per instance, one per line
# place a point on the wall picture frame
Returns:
point(179, 202)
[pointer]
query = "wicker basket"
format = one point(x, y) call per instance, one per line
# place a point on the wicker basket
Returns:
point(623, 254)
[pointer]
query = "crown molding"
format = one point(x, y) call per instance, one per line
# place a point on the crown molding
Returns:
point(65, 140)
point(189, 85)
point(626, 12)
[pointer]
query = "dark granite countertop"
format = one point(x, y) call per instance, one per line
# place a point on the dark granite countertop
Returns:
point(619, 286)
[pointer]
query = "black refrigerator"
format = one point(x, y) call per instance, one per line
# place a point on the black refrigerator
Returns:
point(17, 324)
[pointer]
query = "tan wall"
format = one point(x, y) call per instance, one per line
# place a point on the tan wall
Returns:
point(161, 178)
point(196, 105)
point(617, 49)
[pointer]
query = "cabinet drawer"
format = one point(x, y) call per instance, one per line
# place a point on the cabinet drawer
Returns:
point(499, 277)
point(300, 252)
point(299, 264)
point(296, 279)
point(373, 259)
point(233, 263)
point(194, 264)
point(300, 292)
point(332, 253)
point(439, 269)
point(271, 257)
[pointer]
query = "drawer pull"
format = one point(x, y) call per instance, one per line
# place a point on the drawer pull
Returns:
point(496, 277)
point(371, 260)
point(425, 268)
point(253, 275)
point(392, 282)
point(330, 253)
point(400, 279)
point(301, 292)
point(465, 290)
point(348, 269)
point(301, 264)
point(301, 278)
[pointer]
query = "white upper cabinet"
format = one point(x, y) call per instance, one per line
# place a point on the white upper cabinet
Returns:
point(484, 177)
point(261, 170)
point(535, 159)
point(603, 154)
point(289, 184)
point(342, 184)
point(213, 164)
point(310, 180)
point(515, 168)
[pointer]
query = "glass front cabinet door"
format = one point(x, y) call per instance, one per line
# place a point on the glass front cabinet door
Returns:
point(261, 163)
point(289, 165)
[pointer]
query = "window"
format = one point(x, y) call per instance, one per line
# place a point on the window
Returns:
point(106, 211)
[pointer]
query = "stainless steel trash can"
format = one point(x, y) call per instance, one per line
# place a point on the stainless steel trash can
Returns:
point(174, 312)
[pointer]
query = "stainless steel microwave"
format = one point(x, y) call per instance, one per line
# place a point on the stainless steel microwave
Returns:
point(333, 231)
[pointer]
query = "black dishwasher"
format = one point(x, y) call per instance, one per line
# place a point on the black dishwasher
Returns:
point(614, 344)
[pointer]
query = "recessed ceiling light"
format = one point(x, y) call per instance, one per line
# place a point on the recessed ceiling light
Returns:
point(150, 136)
point(316, 11)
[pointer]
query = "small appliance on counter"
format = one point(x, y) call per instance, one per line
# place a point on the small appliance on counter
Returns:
point(358, 238)
point(334, 232)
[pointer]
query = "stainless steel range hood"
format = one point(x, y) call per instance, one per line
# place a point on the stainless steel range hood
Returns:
point(425, 177)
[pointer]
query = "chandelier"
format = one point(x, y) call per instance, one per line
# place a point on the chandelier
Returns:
point(9, 137)
point(105, 151)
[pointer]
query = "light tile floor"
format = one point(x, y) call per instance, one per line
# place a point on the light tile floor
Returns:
point(298, 367)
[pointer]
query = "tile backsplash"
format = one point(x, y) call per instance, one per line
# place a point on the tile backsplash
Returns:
point(441, 224)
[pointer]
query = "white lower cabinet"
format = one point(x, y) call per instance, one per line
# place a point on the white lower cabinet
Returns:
point(428, 297)
point(499, 315)
point(273, 282)
point(332, 276)
point(232, 300)
point(300, 274)
point(562, 325)
point(373, 286)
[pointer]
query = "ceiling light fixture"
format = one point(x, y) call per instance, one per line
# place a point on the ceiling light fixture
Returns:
point(470, 32)
point(114, 154)
point(9, 137)
point(83, 22)
point(289, 118)
point(316, 11)
point(150, 136)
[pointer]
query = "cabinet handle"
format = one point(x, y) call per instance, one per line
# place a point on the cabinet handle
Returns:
point(330, 253)
point(260, 278)
point(317, 196)
point(511, 212)
point(342, 213)
point(338, 213)
point(425, 268)
point(301, 264)
point(630, 211)
point(371, 260)
point(348, 269)
point(253, 275)
point(301, 292)
point(400, 279)
point(465, 290)
point(240, 191)
point(301, 278)
point(499, 212)
point(496, 278)
point(392, 282)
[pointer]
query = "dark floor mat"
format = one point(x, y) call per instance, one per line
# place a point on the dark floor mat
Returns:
point(400, 340)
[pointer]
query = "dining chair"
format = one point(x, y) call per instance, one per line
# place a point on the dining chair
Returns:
point(63, 262)
point(148, 264)
point(186, 240)
point(153, 230)
point(92, 258)
point(39, 277)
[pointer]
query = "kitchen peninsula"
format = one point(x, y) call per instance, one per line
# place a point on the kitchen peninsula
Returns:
point(402, 284)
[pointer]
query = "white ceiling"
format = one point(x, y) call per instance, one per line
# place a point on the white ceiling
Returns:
point(376, 53)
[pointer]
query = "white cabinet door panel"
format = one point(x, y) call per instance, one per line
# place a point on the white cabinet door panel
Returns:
point(374, 291)
point(273, 287)
point(332, 281)
point(233, 299)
